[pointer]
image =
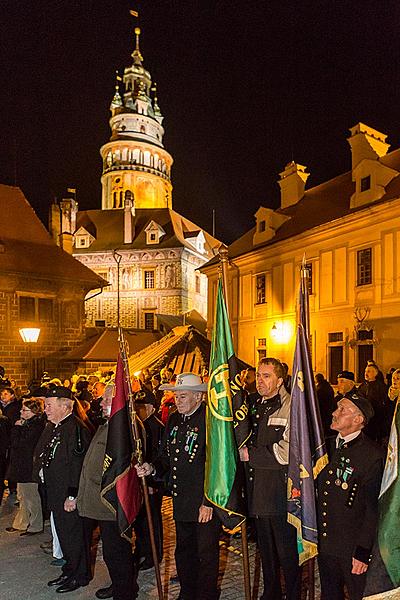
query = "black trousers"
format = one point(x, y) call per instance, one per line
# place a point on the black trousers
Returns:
point(277, 544)
point(335, 573)
point(74, 545)
point(141, 527)
point(197, 559)
point(118, 556)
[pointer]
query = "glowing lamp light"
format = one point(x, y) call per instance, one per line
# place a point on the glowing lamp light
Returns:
point(30, 335)
point(281, 332)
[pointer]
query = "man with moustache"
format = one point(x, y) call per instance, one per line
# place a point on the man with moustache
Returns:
point(348, 490)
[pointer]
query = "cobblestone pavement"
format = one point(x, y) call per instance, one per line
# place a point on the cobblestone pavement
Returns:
point(25, 569)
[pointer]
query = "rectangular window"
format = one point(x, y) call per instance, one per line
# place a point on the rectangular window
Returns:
point(364, 266)
point(149, 280)
point(365, 352)
point(261, 353)
point(197, 284)
point(261, 226)
point(262, 342)
point(36, 309)
point(363, 334)
point(27, 310)
point(149, 320)
point(260, 289)
point(365, 183)
point(45, 309)
point(336, 336)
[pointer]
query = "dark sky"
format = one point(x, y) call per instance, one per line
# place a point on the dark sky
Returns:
point(244, 87)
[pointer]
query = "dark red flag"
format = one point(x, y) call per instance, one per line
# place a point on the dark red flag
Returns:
point(120, 488)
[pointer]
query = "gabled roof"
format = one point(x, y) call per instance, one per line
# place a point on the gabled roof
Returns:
point(103, 346)
point(108, 226)
point(27, 248)
point(319, 205)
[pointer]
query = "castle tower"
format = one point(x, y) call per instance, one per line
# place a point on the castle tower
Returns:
point(135, 164)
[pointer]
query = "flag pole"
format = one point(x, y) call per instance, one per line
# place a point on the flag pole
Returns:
point(224, 262)
point(305, 278)
point(139, 455)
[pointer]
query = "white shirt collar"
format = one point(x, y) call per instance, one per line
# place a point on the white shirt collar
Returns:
point(347, 438)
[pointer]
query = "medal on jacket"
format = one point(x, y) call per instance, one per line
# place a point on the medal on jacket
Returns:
point(191, 437)
point(343, 472)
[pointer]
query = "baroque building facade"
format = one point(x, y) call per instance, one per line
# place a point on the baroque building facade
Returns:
point(348, 229)
point(148, 253)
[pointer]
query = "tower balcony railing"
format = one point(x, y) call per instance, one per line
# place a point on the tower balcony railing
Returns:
point(133, 166)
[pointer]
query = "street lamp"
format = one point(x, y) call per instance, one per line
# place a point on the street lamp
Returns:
point(30, 335)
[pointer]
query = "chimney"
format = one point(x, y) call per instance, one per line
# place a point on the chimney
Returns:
point(366, 142)
point(292, 183)
point(55, 221)
point(129, 212)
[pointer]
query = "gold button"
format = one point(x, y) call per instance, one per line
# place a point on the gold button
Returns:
point(330, 472)
point(324, 534)
point(325, 493)
point(324, 504)
point(324, 514)
point(327, 482)
point(177, 450)
point(323, 524)
point(175, 458)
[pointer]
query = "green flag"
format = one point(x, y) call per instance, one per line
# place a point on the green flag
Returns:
point(389, 505)
point(227, 424)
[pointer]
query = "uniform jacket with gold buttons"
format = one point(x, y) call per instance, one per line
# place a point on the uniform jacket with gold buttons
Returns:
point(268, 454)
point(348, 490)
point(182, 458)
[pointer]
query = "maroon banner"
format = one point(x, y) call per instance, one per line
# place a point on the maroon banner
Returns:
point(120, 489)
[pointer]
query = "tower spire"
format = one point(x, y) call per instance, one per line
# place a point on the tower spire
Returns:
point(136, 54)
point(116, 102)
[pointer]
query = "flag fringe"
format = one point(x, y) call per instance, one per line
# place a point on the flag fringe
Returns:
point(310, 550)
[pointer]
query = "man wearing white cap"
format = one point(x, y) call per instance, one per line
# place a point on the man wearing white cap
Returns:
point(182, 458)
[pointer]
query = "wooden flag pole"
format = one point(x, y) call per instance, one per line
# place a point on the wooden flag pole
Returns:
point(139, 455)
point(224, 261)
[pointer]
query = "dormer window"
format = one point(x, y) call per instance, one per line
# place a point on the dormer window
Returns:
point(365, 183)
point(83, 239)
point(261, 226)
point(154, 233)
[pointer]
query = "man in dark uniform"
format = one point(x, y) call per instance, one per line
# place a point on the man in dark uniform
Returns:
point(373, 388)
point(61, 464)
point(348, 490)
point(267, 455)
point(183, 457)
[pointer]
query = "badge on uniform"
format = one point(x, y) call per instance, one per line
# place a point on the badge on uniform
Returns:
point(343, 473)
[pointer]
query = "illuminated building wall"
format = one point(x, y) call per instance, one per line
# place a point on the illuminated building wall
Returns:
point(348, 228)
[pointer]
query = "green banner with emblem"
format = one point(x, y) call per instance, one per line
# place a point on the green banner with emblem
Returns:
point(227, 424)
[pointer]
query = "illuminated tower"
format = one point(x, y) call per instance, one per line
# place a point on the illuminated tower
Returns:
point(135, 164)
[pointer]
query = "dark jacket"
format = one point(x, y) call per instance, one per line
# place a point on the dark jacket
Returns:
point(348, 500)
point(378, 427)
point(5, 429)
point(12, 410)
point(182, 459)
point(62, 460)
point(327, 404)
point(268, 455)
point(23, 442)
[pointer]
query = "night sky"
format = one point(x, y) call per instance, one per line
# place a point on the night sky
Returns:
point(245, 87)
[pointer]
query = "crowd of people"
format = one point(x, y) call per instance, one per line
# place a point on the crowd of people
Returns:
point(52, 451)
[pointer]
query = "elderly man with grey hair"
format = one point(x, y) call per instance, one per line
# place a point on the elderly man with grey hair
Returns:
point(61, 463)
point(182, 459)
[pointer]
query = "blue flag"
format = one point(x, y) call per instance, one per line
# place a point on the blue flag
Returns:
point(307, 452)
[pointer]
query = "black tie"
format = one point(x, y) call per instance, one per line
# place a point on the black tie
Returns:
point(341, 443)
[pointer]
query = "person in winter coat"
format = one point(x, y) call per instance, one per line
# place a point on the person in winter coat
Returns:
point(24, 437)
